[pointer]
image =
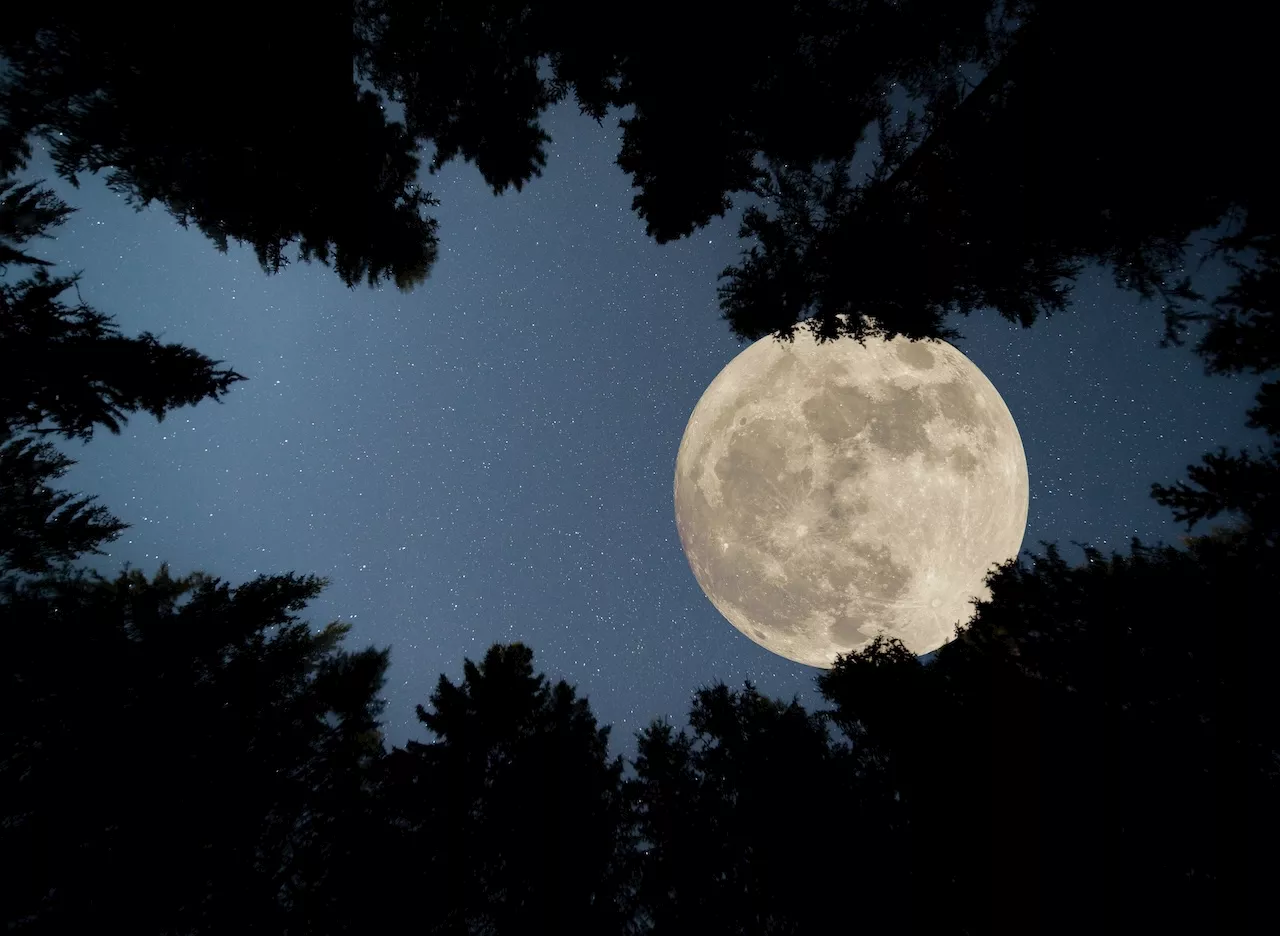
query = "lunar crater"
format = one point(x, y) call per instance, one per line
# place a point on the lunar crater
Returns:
point(825, 494)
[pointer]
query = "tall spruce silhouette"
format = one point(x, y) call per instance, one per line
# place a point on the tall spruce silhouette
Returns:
point(755, 820)
point(1101, 739)
point(65, 370)
point(514, 817)
point(176, 751)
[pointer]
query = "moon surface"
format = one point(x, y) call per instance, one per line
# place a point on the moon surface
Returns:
point(828, 493)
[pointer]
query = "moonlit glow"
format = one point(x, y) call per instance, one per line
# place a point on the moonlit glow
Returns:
point(827, 493)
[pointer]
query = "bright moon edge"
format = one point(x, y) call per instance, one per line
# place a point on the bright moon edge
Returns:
point(829, 493)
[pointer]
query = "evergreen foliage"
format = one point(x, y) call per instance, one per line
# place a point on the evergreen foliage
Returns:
point(1100, 742)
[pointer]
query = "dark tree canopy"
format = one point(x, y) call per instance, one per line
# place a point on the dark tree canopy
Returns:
point(154, 103)
point(467, 76)
point(1100, 741)
point(794, 83)
point(1243, 337)
point(755, 822)
point(174, 749)
point(40, 527)
point(1094, 137)
point(66, 370)
point(27, 212)
point(516, 807)
point(232, 121)
point(1050, 135)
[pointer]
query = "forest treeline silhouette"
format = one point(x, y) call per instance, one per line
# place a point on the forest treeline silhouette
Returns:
point(1097, 750)
point(1047, 136)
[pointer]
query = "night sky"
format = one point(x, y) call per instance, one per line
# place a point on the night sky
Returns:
point(490, 457)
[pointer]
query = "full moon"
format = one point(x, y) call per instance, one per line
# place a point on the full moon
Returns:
point(829, 493)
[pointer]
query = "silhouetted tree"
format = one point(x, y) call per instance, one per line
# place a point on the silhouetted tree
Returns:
point(1243, 337)
point(708, 98)
point(1100, 740)
point(513, 819)
point(66, 370)
point(176, 751)
point(1103, 740)
point(230, 122)
point(755, 822)
point(172, 124)
point(1043, 141)
point(467, 76)
point(1059, 154)
point(795, 83)
point(27, 212)
point(40, 527)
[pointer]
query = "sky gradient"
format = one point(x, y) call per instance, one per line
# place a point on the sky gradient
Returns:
point(490, 457)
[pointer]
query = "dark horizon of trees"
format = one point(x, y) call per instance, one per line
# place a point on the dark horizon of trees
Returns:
point(1096, 749)
point(1099, 743)
point(178, 754)
point(1043, 136)
point(189, 756)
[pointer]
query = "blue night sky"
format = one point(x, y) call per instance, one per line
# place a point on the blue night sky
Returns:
point(490, 457)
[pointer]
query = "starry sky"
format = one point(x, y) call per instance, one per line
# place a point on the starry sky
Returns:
point(490, 458)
